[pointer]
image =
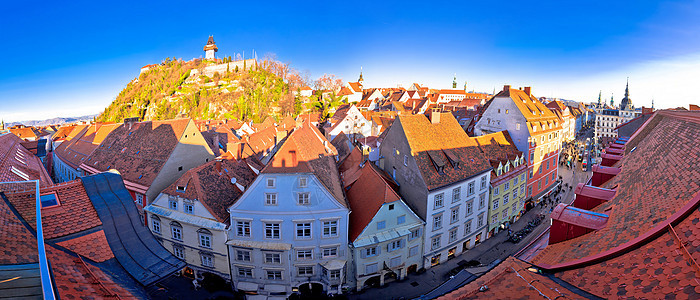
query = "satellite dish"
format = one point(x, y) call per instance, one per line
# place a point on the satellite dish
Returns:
point(233, 180)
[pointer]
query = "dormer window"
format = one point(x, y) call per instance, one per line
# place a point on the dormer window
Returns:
point(499, 171)
point(437, 160)
point(452, 158)
point(507, 167)
point(181, 188)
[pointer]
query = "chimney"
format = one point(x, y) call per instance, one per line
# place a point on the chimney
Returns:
point(435, 116)
point(506, 88)
point(216, 144)
point(527, 91)
point(218, 165)
point(129, 122)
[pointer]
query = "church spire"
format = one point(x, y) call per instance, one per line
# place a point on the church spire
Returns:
point(361, 80)
point(600, 94)
point(612, 102)
point(627, 88)
point(454, 82)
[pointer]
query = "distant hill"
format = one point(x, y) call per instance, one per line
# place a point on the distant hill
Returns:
point(53, 121)
point(204, 89)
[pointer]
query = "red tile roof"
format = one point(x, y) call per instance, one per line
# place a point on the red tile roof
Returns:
point(63, 132)
point(262, 140)
point(355, 86)
point(342, 144)
point(92, 245)
point(306, 150)
point(498, 148)
point(532, 109)
point(139, 152)
point(512, 279)
point(73, 278)
point(24, 132)
point(74, 214)
point(19, 164)
point(211, 185)
point(657, 180)
point(366, 195)
point(80, 145)
point(431, 143)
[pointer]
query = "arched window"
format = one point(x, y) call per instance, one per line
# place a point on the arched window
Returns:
point(204, 238)
point(176, 230)
point(155, 224)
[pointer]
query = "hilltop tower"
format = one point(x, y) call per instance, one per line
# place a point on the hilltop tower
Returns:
point(210, 49)
point(626, 103)
point(361, 80)
point(454, 82)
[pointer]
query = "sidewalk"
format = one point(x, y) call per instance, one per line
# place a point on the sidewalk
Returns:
point(487, 252)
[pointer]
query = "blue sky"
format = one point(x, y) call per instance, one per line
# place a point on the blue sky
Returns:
point(69, 59)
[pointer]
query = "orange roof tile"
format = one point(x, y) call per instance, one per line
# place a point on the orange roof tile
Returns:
point(92, 245)
point(19, 164)
point(429, 141)
point(306, 150)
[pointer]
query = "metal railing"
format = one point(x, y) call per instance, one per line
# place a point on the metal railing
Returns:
point(23, 187)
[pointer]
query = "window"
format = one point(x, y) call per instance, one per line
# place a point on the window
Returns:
point(453, 235)
point(245, 272)
point(304, 230)
point(546, 181)
point(274, 274)
point(437, 222)
point(507, 185)
point(495, 203)
point(515, 193)
point(414, 234)
point(381, 225)
point(189, 208)
point(204, 238)
point(303, 182)
point(139, 199)
point(515, 180)
point(470, 189)
point(514, 208)
point(273, 258)
point(242, 255)
point(470, 207)
point(454, 216)
point(330, 228)
point(529, 190)
point(330, 252)
point(401, 219)
point(405, 160)
point(369, 252)
point(172, 204)
point(494, 218)
point(334, 275)
point(305, 270)
point(435, 243)
point(207, 260)
point(304, 254)
point(395, 262)
point(483, 181)
point(243, 228)
point(413, 251)
point(495, 191)
point(468, 227)
point(155, 222)
point(371, 268)
point(303, 198)
point(456, 194)
point(553, 176)
point(179, 168)
point(505, 214)
point(532, 157)
point(395, 245)
point(270, 198)
point(482, 201)
point(272, 230)
point(270, 182)
point(179, 251)
point(176, 231)
point(439, 200)
point(505, 199)
point(480, 220)
point(517, 126)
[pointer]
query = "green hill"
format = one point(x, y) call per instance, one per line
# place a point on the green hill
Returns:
point(177, 88)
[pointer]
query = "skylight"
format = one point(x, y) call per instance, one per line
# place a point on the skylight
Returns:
point(19, 173)
point(48, 200)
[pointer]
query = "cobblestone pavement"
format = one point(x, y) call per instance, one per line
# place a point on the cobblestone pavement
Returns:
point(497, 247)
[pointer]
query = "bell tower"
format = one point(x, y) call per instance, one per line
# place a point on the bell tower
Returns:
point(210, 48)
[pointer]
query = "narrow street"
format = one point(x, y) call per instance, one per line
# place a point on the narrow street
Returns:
point(491, 251)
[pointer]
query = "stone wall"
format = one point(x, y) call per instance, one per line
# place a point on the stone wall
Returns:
point(221, 68)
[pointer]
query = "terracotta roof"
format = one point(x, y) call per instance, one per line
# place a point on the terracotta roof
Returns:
point(341, 112)
point(314, 117)
point(344, 91)
point(355, 86)
point(72, 277)
point(78, 147)
point(306, 88)
point(19, 164)
point(262, 140)
point(498, 147)
point(286, 124)
point(366, 195)
point(658, 179)
point(93, 245)
point(342, 143)
point(513, 279)
point(440, 143)
point(62, 132)
point(306, 150)
point(140, 152)
point(24, 132)
point(532, 109)
point(211, 185)
point(267, 123)
point(452, 92)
